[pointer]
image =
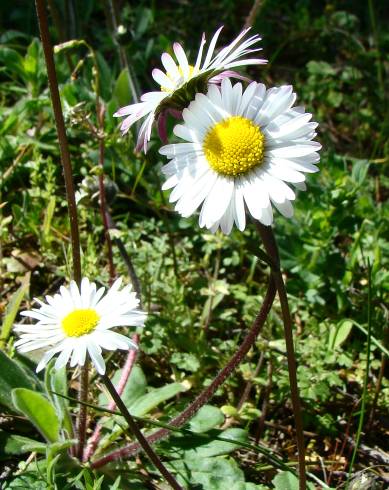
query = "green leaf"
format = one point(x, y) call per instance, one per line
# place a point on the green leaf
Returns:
point(49, 213)
point(11, 376)
point(149, 401)
point(193, 447)
point(288, 481)
point(56, 381)
point(31, 59)
point(135, 387)
point(105, 74)
point(339, 333)
point(39, 411)
point(207, 418)
point(217, 448)
point(13, 308)
point(12, 61)
point(185, 361)
point(11, 444)
point(359, 171)
point(321, 68)
point(121, 91)
point(211, 473)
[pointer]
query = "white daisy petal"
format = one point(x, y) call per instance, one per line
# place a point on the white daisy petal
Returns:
point(163, 80)
point(96, 357)
point(243, 148)
point(81, 321)
point(196, 67)
point(170, 66)
point(182, 59)
point(239, 211)
point(63, 358)
point(238, 53)
point(301, 186)
point(285, 208)
point(211, 48)
point(217, 201)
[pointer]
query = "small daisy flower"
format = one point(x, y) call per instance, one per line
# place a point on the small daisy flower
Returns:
point(181, 81)
point(241, 149)
point(77, 322)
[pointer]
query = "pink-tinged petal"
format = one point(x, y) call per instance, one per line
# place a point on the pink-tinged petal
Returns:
point(169, 65)
point(228, 74)
point(160, 77)
point(211, 48)
point(182, 59)
point(199, 55)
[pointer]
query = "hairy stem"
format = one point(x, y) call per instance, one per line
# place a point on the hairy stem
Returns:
point(61, 131)
point(210, 390)
point(138, 434)
point(270, 245)
point(82, 414)
point(253, 14)
point(68, 176)
point(126, 371)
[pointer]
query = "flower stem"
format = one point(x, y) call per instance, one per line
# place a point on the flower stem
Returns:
point(68, 176)
point(61, 131)
point(270, 245)
point(138, 434)
point(82, 414)
point(126, 371)
point(210, 390)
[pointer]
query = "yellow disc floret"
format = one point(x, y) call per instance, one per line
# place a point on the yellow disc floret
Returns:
point(80, 322)
point(234, 146)
point(177, 82)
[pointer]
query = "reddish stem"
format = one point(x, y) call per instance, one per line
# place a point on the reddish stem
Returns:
point(126, 371)
point(209, 391)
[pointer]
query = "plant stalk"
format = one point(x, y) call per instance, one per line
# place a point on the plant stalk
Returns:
point(271, 248)
point(138, 434)
point(61, 131)
point(210, 390)
point(126, 371)
point(72, 207)
point(82, 414)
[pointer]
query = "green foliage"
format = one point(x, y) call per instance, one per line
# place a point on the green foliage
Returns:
point(12, 310)
point(12, 375)
point(38, 410)
point(201, 291)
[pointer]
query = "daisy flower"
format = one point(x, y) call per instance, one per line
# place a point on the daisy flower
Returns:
point(77, 322)
point(241, 150)
point(181, 81)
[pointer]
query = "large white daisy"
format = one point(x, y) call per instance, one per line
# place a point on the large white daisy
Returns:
point(77, 322)
point(242, 150)
point(181, 80)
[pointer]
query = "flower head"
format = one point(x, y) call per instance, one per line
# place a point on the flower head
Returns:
point(76, 322)
point(181, 80)
point(241, 149)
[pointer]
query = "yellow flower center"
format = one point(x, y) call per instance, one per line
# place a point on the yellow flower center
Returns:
point(180, 80)
point(80, 322)
point(234, 146)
